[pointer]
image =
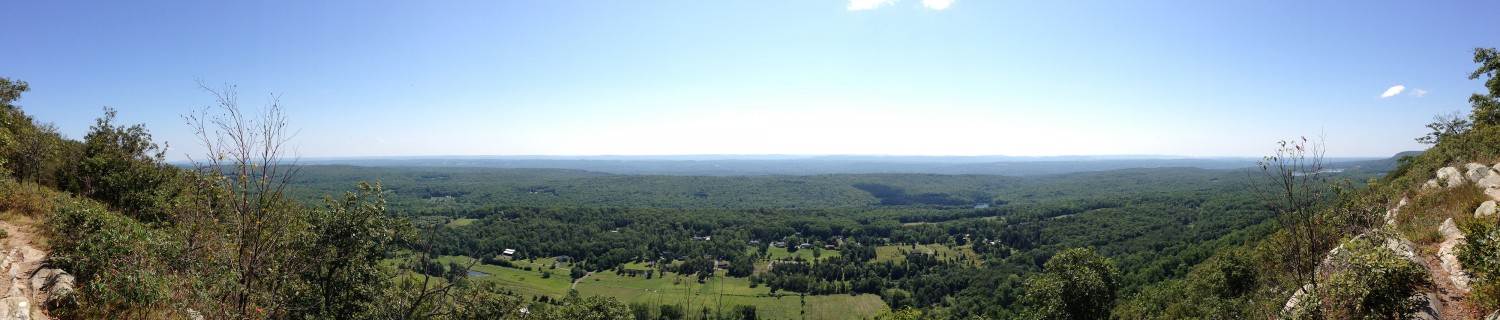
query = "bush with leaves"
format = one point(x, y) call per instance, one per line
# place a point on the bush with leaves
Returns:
point(121, 265)
point(1077, 283)
point(1367, 281)
point(1480, 255)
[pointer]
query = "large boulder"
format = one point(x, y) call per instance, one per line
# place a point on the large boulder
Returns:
point(1404, 248)
point(1431, 184)
point(1432, 307)
point(1485, 209)
point(55, 286)
point(1476, 172)
point(1493, 316)
point(1450, 177)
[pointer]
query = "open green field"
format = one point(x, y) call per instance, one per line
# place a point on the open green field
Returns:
point(898, 252)
point(461, 222)
point(521, 281)
point(673, 288)
point(806, 254)
point(727, 292)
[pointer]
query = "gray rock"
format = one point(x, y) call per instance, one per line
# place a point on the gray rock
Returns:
point(1450, 177)
point(1293, 305)
point(1493, 316)
point(1449, 258)
point(1475, 171)
point(1450, 231)
point(1490, 182)
point(1432, 308)
point(15, 308)
point(1404, 248)
point(40, 278)
point(1393, 213)
point(1431, 184)
point(1485, 209)
point(56, 284)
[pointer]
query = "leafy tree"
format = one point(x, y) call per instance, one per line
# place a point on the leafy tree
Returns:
point(670, 312)
point(122, 167)
point(745, 312)
point(353, 234)
point(1444, 126)
point(907, 313)
point(1486, 105)
point(1078, 284)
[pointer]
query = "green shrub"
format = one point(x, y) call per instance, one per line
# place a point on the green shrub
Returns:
point(1480, 255)
point(1078, 284)
point(23, 198)
point(1370, 282)
point(119, 263)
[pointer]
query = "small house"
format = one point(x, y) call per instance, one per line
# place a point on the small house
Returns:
point(779, 244)
point(564, 259)
point(804, 245)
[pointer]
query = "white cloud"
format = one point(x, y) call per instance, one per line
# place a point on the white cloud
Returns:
point(855, 5)
point(1393, 91)
point(937, 4)
point(1418, 92)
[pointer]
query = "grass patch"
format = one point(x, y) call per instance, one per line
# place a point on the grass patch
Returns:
point(676, 289)
point(529, 283)
point(726, 292)
point(461, 222)
point(805, 254)
point(1419, 221)
point(898, 253)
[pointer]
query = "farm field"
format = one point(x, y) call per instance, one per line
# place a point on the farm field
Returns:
point(677, 289)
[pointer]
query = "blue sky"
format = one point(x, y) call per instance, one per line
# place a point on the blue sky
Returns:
point(908, 77)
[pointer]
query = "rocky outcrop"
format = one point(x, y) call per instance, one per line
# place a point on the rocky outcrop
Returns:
point(20, 263)
point(1485, 209)
point(1432, 307)
point(16, 263)
point(1476, 172)
point(1493, 316)
point(54, 286)
point(1450, 177)
point(1452, 237)
point(1393, 213)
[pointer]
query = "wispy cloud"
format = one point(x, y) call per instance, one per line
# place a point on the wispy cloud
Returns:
point(1418, 92)
point(1393, 91)
point(856, 5)
point(937, 4)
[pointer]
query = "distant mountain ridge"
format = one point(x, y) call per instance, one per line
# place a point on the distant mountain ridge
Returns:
point(738, 165)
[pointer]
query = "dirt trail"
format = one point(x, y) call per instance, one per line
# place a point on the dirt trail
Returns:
point(580, 279)
point(1454, 302)
point(19, 260)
